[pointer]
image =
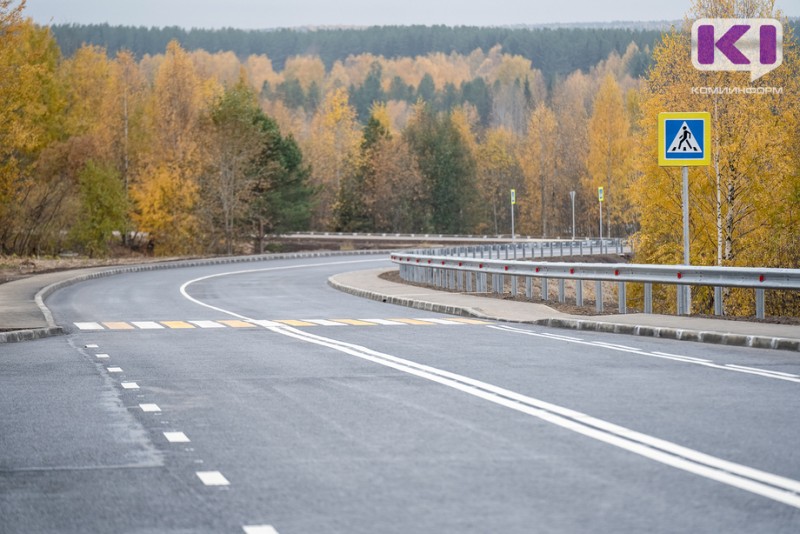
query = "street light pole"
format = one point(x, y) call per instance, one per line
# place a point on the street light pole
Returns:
point(572, 198)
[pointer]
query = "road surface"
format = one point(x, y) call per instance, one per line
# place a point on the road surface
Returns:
point(255, 398)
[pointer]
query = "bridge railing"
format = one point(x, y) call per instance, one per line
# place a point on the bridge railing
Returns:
point(470, 268)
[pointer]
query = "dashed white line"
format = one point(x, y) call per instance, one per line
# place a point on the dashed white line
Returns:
point(259, 529)
point(129, 385)
point(212, 478)
point(264, 323)
point(176, 437)
point(149, 407)
point(114, 369)
point(91, 346)
point(323, 322)
point(101, 356)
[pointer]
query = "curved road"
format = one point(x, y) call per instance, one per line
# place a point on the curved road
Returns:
point(255, 398)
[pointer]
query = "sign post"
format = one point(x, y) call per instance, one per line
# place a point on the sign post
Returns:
point(513, 201)
point(684, 141)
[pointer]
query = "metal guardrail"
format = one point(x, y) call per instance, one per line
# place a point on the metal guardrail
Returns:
point(468, 268)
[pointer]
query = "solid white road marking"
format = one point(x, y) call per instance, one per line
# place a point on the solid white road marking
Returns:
point(176, 437)
point(778, 373)
point(776, 487)
point(661, 355)
point(114, 369)
point(89, 326)
point(149, 407)
point(130, 385)
point(259, 529)
point(147, 325)
point(212, 478)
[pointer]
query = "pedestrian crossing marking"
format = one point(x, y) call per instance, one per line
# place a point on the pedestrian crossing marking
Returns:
point(207, 324)
point(177, 324)
point(118, 325)
point(236, 323)
point(468, 321)
point(294, 322)
point(355, 322)
point(414, 322)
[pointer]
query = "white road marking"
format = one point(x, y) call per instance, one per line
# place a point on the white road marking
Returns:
point(91, 346)
point(778, 373)
point(114, 369)
point(129, 385)
point(264, 323)
point(176, 437)
point(150, 407)
point(207, 324)
point(101, 356)
point(212, 478)
point(441, 321)
point(769, 485)
point(385, 322)
point(323, 322)
point(661, 355)
point(259, 529)
point(147, 325)
point(89, 326)
point(692, 358)
point(562, 338)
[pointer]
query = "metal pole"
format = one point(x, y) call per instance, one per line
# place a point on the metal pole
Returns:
point(687, 300)
point(601, 227)
point(572, 198)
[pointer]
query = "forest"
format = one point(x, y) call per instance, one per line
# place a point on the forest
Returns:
point(179, 149)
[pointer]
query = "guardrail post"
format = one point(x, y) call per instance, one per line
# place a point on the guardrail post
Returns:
point(545, 291)
point(598, 293)
point(514, 287)
point(561, 293)
point(591, 249)
point(623, 300)
point(579, 292)
point(529, 287)
point(717, 300)
point(561, 248)
point(648, 297)
point(759, 303)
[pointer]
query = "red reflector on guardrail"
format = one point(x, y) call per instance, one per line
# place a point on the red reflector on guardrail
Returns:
point(572, 271)
point(680, 276)
point(506, 267)
point(616, 272)
point(761, 278)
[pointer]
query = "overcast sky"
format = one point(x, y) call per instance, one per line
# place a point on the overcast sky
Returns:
point(258, 14)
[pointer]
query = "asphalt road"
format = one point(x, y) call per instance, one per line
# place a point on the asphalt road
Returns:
point(257, 399)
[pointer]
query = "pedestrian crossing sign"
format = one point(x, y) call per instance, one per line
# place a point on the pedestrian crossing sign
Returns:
point(684, 139)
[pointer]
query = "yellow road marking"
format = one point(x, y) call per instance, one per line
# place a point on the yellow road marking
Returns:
point(177, 324)
point(118, 326)
point(293, 322)
point(235, 323)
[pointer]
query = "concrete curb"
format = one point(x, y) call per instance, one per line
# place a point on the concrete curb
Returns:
point(54, 330)
point(682, 334)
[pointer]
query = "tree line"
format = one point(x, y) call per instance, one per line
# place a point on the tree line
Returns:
point(557, 52)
